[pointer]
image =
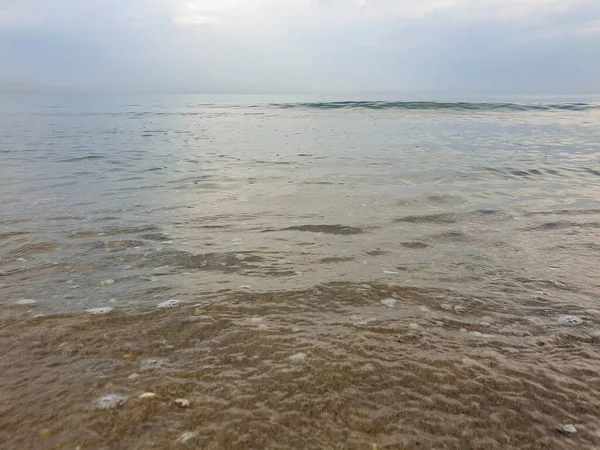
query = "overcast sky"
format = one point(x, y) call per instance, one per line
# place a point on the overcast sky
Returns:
point(301, 46)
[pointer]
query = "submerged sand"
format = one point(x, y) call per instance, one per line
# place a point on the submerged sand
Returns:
point(327, 367)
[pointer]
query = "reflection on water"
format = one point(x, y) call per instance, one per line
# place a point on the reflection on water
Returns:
point(278, 229)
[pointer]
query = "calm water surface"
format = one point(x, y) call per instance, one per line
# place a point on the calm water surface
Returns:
point(279, 226)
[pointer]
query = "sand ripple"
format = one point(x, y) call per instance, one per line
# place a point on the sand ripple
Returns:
point(329, 367)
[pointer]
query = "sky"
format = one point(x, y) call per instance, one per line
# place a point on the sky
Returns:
point(301, 46)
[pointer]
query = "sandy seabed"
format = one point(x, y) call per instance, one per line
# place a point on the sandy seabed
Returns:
point(329, 367)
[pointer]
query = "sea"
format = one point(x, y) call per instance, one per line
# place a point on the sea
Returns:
point(299, 272)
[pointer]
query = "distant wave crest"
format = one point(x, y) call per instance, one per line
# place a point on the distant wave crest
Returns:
point(461, 106)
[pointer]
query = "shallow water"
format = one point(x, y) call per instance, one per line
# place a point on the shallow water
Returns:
point(278, 228)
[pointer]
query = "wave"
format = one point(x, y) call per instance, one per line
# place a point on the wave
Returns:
point(217, 109)
point(460, 106)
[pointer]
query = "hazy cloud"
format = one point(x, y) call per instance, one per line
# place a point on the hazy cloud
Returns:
point(516, 46)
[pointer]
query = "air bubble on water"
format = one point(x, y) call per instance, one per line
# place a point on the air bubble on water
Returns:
point(168, 304)
point(569, 320)
point(568, 428)
point(182, 402)
point(100, 311)
point(298, 357)
point(151, 364)
point(459, 308)
point(187, 437)
point(110, 401)
point(446, 306)
point(26, 301)
point(147, 396)
point(107, 282)
point(389, 302)
point(362, 322)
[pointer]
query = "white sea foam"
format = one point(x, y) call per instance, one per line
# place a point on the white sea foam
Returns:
point(168, 304)
point(110, 401)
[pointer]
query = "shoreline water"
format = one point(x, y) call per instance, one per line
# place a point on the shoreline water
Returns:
point(339, 276)
point(329, 367)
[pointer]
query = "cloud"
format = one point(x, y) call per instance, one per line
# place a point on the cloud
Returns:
point(344, 11)
point(589, 28)
point(261, 12)
point(302, 45)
